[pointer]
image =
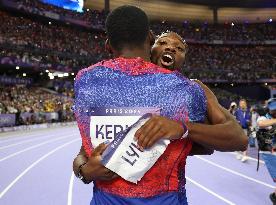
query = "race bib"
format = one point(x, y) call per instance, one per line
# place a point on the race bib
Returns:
point(123, 156)
point(106, 123)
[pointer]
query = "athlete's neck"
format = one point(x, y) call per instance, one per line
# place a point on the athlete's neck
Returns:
point(134, 53)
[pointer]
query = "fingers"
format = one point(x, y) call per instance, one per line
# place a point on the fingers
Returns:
point(144, 129)
point(144, 139)
point(154, 139)
point(99, 149)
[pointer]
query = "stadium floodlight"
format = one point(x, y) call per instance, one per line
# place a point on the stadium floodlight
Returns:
point(47, 71)
point(232, 24)
point(60, 75)
point(72, 73)
point(66, 74)
point(50, 22)
point(17, 67)
point(270, 20)
point(51, 77)
point(24, 74)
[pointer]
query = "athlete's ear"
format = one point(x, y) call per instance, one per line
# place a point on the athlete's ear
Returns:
point(151, 37)
point(108, 47)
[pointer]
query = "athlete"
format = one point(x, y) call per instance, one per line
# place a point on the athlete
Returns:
point(178, 97)
point(224, 134)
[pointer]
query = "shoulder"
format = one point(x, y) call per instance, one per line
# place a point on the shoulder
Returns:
point(196, 101)
point(84, 71)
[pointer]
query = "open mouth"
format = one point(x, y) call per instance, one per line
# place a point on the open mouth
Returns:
point(167, 60)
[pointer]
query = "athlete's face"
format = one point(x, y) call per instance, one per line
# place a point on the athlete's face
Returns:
point(168, 52)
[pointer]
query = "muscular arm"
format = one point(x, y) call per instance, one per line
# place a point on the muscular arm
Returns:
point(224, 133)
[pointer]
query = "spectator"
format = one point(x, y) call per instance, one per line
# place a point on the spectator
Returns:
point(243, 116)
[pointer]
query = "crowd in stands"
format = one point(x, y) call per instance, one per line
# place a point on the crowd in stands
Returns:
point(33, 42)
point(26, 32)
point(231, 62)
point(225, 97)
point(198, 31)
point(31, 104)
point(226, 32)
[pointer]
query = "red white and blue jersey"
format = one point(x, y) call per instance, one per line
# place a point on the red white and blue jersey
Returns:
point(134, 83)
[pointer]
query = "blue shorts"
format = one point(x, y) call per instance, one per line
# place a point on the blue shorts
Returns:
point(270, 162)
point(172, 198)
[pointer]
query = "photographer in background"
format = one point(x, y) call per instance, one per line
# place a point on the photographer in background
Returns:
point(267, 128)
point(254, 126)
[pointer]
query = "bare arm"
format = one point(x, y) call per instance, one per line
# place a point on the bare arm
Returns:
point(225, 134)
point(198, 149)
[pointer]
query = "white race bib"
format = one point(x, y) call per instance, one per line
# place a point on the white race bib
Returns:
point(123, 156)
point(106, 123)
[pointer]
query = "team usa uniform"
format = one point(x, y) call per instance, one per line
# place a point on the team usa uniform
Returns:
point(123, 83)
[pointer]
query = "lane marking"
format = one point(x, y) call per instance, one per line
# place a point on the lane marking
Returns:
point(70, 191)
point(38, 134)
point(33, 165)
point(236, 173)
point(25, 141)
point(209, 191)
point(33, 147)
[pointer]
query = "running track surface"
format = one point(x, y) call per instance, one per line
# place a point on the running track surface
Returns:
point(36, 169)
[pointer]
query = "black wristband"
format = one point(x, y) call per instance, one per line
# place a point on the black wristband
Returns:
point(80, 176)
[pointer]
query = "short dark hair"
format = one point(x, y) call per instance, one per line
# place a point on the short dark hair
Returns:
point(127, 25)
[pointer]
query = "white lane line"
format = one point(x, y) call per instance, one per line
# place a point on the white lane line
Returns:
point(33, 147)
point(70, 191)
point(39, 134)
point(18, 137)
point(251, 158)
point(32, 165)
point(18, 133)
point(209, 191)
point(236, 173)
point(26, 141)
